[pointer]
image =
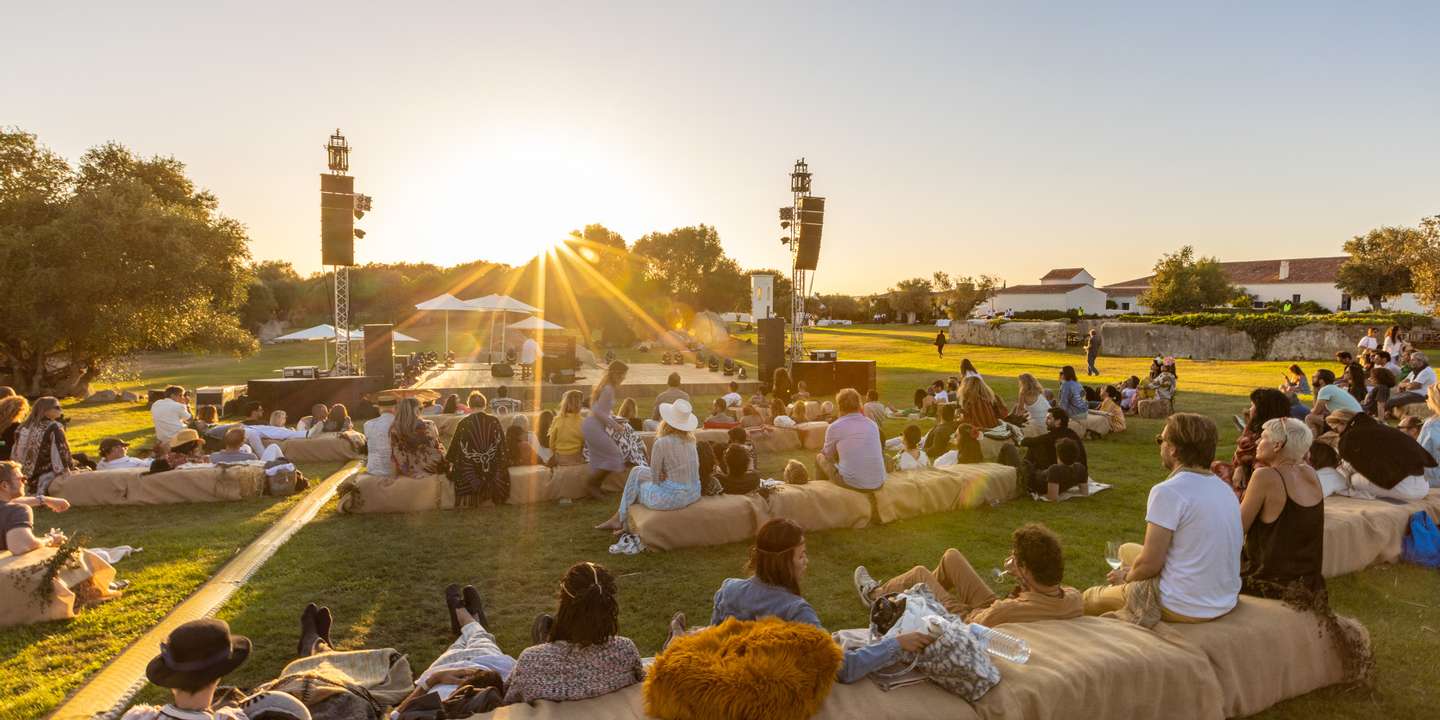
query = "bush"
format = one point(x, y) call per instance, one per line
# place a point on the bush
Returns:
point(1263, 327)
point(1069, 315)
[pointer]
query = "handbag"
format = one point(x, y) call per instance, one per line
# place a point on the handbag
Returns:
point(1422, 543)
point(954, 661)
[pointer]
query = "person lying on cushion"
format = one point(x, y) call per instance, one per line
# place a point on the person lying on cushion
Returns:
point(184, 449)
point(114, 457)
point(236, 450)
point(17, 519)
point(852, 456)
point(1035, 562)
point(1193, 534)
point(1283, 513)
point(777, 564)
point(672, 481)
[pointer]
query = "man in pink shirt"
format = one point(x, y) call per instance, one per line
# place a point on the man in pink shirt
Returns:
point(853, 455)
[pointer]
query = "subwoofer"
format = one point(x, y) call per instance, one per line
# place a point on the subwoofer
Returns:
point(818, 376)
point(771, 347)
point(380, 352)
point(858, 374)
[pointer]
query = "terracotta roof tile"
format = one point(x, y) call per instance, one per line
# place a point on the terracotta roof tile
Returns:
point(1062, 273)
point(1040, 289)
point(1260, 272)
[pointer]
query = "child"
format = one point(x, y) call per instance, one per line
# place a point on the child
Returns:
point(739, 476)
point(912, 457)
point(738, 436)
point(1068, 472)
point(796, 473)
point(801, 392)
point(750, 416)
point(1128, 393)
point(1327, 467)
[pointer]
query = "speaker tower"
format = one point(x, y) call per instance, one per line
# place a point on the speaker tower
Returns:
point(380, 352)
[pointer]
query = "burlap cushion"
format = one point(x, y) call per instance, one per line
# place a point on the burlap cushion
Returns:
point(812, 408)
point(1420, 410)
point(329, 447)
point(366, 493)
point(134, 487)
point(714, 520)
point(1153, 408)
point(818, 505)
point(812, 434)
point(568, 481)
point(101, 487)
point(1361, 533)
point(954, 487)
point(713, 435)
point(21, 575)
point(445, 426)
point(1097, 422)
point(531, 484)
point(771, 439)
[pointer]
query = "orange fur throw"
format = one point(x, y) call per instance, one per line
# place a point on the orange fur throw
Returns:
point(740, 669)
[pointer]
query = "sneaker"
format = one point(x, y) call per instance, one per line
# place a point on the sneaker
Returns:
point(865, 585)
point(540, 629)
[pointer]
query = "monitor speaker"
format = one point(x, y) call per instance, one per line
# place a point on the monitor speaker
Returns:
point(380, 352)
point(771, 355)
point(818, 376)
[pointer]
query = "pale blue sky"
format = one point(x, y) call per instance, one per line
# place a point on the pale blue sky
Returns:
point(968, 138)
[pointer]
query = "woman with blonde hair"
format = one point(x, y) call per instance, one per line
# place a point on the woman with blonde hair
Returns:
point(978, 403)
point(13, 409)
point(1283, 514)
point(1031, 403)
point(672, 481)
point(567, 439)
point(415, 442)
point(601, 426)
point(42, 447)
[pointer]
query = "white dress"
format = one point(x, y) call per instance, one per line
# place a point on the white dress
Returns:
point(907, 461)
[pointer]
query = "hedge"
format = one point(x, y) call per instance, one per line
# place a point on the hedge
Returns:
point(1264, 327)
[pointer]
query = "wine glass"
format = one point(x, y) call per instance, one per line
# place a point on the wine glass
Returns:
point(1112, 554)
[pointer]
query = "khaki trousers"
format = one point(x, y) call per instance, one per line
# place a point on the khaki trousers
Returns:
point(1109, 598)
point(954, 583)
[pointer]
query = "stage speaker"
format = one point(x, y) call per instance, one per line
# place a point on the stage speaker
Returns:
point(811, 211)
point(818, 376)
point(337, 219)
point(380, 352)
point(858, 374)
point(771, 347)
point(502, 370)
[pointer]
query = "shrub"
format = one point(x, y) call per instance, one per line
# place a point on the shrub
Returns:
point(1263, 327)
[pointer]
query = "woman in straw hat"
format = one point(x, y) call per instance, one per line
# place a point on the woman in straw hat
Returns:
point(673, 479)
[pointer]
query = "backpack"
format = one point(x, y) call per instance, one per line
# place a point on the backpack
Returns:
point(1422, 543)
point(286, 482)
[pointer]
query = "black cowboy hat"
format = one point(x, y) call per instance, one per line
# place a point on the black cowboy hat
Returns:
point(196, 653)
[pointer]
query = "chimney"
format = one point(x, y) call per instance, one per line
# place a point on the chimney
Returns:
point(1284, 269)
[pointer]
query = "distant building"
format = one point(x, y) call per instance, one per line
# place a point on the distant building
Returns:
point(1059, 289)
point(1296, 280)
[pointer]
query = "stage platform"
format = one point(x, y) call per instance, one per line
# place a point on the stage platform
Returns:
point(644, 382)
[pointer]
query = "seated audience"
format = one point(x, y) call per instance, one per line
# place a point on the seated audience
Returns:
point(1294, 381)
point(429, 407)
point(801, 391)
point(938, 441)
point(1356, 381)
point(967, 368)
point(1110, 405)
point(1129, 394)
point(761, 400)
point(827, 412)
point(1283, 515)
point(978, 404)
point(1326, 462)
point(578, 652)
point(1031, 403)
point(875, 410)
point(169, 413)
point(192, 660)
point(795, 472)
point(277, 418)
point(1382, 462)
point(113, 456)
point(567, 439)
point(1346, 360)
point(205, 418)
point(1265, 405)
point(1329, 397)
point(750, 416)
point(518, 447)
point(1067, 473)
point(1193, 534)
point(366, 410)
point(720, 416)
point(1386, 360)
point(672, 481)
point(1298, 410)
point(1381, 382)
point(319, 412)
point(738, 436)
point(543, 424)
point(737, 474)
point(185, 448)
point(912, 457)
point(478, 461)
point(415, 442)
point(379, 459)
point(629, 413)
point(236, 450)
point(337, 420)
point(852, 455)
point(1162, 384)
point(732, 398)
point(13, 409)
point(17, 517)
point(451, 405)
point(1416, 384)
point(475, 402)
point(924, 403)
point(1036, 562)
point(1429, 434)
point(670, 394)
point(1072, 396)
point(1042, 453)
point(42, 447)
point(777, 565)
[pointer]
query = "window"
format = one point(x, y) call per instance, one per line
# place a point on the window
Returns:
point(1295, 298)
point(1124, 306)
point(1345, 302)
point(1257, 305)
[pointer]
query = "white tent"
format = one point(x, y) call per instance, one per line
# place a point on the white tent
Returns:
point(534, 322)
point(319, 332)
point(502, 304)
point(395, 336)
point(446, 303)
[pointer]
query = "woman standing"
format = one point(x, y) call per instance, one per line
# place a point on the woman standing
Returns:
point(12, 414)
point(1032, 403)
point(44, 451)
point(940, 341)
point(605, 455)
point(967, 369)
point(479, 459)
point(978, 404)
point(414, 442)
point(1283, 514)
point(780, 387)
point(673, 479)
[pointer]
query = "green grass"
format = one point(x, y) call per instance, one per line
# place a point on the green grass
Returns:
point(383, 575)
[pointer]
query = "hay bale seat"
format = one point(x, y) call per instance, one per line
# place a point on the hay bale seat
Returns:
point(812, 434)
point(21, 575)
point(366, 493)
point(326, 447)
point(1361, 533)
point(954, 487)
point(818, 505)
point(1096, 422)
point(1154, 408)
point(771, 439)
point(132, 486)
point(1420, 410)
point(1087, 667)
point(714, 520)
point(445, 424)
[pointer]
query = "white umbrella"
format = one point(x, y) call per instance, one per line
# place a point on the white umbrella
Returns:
point(534, 323)
point(446, 303)
point(395, 335)
point(319, 332)
point(500, 304)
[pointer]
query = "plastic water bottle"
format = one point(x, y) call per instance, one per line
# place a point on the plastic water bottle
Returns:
point(1001, 644)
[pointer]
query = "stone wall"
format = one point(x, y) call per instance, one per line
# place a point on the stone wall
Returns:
point(1018, 334)
point(1307, 342)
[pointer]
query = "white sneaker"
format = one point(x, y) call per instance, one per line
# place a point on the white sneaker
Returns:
point(865, 585)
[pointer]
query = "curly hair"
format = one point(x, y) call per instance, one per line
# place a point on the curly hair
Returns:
point(1037, 549)
point(588, 614)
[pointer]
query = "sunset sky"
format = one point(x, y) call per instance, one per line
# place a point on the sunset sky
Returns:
point(991, 138)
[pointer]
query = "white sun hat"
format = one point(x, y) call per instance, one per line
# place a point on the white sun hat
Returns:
point(679, 415)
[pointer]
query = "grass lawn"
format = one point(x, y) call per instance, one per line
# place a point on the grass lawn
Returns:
point(383, 575)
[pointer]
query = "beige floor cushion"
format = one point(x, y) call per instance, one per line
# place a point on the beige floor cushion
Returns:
point(134, 487)
point(772, 439)
point(328, 447)
point(366, 493)
point(714, 435)
point(1096, 422)
point(1153, 408)
point(1361, 533)
point(956, 487)
point(531, 484)
point(445, 426)
point(812, 434)
point(569, 481)
point(813, 408)
point(21, 602)
point(818, 505)
point(1420, 410)
point(714, 520)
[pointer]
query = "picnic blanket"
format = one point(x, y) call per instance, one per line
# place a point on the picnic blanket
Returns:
point(1361, 533)
point(1072, 493)
point(22, 600)
point(133, 486)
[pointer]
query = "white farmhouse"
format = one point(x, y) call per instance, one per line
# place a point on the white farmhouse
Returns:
point(1296, 280)
point(1059, 289)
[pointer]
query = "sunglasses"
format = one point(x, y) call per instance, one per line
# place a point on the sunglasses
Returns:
point(1160, 439)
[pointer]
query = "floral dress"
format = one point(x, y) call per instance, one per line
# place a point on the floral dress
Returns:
point(417, 454)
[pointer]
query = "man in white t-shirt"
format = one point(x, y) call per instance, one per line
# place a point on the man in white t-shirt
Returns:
point(1329, 398)
point(529, 351)
point(1413, 388)
point(377, 438)
point(732, 398)
point(169, 413)
point(1192, 533)
point(1369, 342)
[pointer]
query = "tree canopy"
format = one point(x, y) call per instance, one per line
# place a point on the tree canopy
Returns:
point(118, 255)
point(963, 294)
point(1379, 264)
point(912, 296)
point(1184, 284)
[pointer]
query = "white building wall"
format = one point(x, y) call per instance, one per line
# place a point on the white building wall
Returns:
point(1327, 295)
point(1088, 299)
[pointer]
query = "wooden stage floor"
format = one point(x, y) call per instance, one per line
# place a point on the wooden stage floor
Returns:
point(643, 382)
